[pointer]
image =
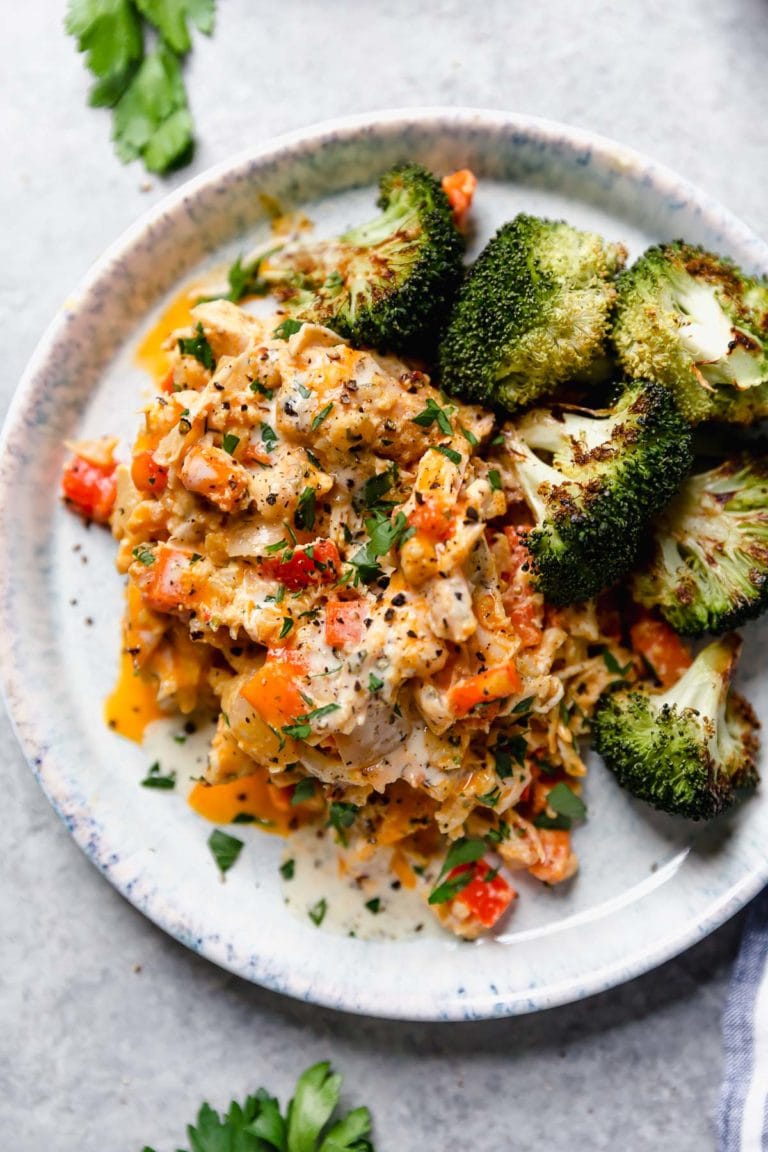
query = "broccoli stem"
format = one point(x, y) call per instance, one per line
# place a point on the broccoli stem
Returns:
point(704, 686)
point(532, 474)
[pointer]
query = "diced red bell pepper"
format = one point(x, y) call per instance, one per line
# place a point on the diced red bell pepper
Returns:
point(431, 518)
point(90, 488)
point(487, 896)
point(318, 563)
point(459, 187)
point(662, 648)
point(344, 623)
point(148, 476)
point(492, 684)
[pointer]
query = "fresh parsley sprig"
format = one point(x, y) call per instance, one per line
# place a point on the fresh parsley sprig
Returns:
point(383, 535)
point(151, 117)
point(308, 1124)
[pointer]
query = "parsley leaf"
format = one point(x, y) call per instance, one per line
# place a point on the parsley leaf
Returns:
point(109, 33)
point(151, 119)
point(303, 726)
point(374, 683)
point(613, 665)
point(144, 555)
point(288, 328)
point(433, 412)
point(374, 905)
point(170, 19)
point(287, 625)
point(230, 442)
point(309, 1123)
point(565, 802)
point(341, 817)
point(317, 914)
point(322, 415)
point(225, 849)
point(383, 535)
point(245, 280)
point(507, 749)
point(450, 453)
point(304, 516)
point(463, 851)
point(374, 490)
point(198, 347)
point(155, 779)
point(288, 869)
point(304, 790)
point(494, 479)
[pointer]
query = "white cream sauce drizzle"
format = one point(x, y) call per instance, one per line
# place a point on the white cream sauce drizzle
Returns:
point(400, 914)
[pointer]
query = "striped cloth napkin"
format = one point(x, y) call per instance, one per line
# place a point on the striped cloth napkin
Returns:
point(743, 1112)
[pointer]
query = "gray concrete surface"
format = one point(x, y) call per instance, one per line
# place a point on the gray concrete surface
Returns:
point(110, 1033)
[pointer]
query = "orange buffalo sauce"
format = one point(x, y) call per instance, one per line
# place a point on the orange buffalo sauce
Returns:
point(150, 354)
point(132, 704)
point(254, 796)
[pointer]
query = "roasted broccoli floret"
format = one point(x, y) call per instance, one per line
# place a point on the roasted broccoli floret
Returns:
point(533, 313)
point(688, 750)
point(697, 324)
point(592, 481)
point(388, 283)
point(708, 569)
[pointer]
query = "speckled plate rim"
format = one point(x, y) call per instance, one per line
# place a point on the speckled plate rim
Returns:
point(14, 672)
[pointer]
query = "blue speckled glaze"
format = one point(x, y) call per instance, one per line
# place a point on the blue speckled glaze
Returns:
point(649, 887)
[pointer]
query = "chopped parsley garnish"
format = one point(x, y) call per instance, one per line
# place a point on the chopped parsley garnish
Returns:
point(433, 412)
point(286, 627)
point(304, 790)
point(322, 415)
point(497, 440)
point(374, 905)
point(288, 869)
point(317, 913)
point(198, 347)
point(494, 479)
point(566, 805)
point(505, 751)
point(225, 849)
point(341, 817)
point(257, 386)
point(371, 496)
point(303, 726)
point(155, 779)
point(304, 516)
point(313, 460)
point(276, 597)
point(144, 555)
point(383, 535)
point(230, 442)
point(469, 436)
point(249, 818)
point(450, 453)
point(613, 665)
point(463, 851)
point(268, 437)
point(490, 799)
point(279, 546)
point(523, 705)
point(288, 328)
point(245, 280)
point(374, 684)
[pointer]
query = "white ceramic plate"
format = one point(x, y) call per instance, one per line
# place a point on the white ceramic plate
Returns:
point(648, 887)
